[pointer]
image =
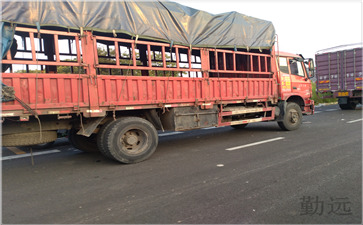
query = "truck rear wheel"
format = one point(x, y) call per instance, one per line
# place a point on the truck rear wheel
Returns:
point(101, 136)
point(293, 117)
point(130, 140)
point(83, 143)
point(349, 106)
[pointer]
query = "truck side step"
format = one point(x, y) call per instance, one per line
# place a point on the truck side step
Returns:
point(246, 121)
point(243, 110)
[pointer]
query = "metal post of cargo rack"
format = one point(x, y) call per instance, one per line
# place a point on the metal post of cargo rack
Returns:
point(329, 71)
point(345, 71)
point(338, 69)
point(355, 83)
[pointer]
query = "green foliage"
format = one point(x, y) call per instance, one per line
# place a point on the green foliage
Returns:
point(106, 58)
point(30, 71)
point(67, 69)
point(320, 97)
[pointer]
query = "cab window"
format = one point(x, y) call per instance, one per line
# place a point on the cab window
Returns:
point(296, 68)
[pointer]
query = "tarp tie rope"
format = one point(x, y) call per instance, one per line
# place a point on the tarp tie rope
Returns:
point(167, 84)
point(38, 26)
point(36, 85)
point(137, 38)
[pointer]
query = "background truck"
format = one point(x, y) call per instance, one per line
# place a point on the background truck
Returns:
point(339, 74)
point(117, 75)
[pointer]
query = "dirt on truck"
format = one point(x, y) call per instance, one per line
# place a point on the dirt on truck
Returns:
point(117, 75)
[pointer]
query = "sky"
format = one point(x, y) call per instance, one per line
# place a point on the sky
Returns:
point(303, 27)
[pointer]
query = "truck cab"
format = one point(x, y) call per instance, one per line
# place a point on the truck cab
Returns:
point(294, 74)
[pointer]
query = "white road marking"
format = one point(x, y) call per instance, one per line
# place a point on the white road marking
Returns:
point(28, 154)
point(253, 144)
point(316, 112)
point(354, 121)
point(209, 128)
point(331, 110)
point(168, 134)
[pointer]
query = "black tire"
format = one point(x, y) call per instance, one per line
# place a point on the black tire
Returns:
point(130, 140)
point(239, 126)
point(101, 135)
point(344, 106)
point(349, 106)
point(26, 139)
point(293, 117)
point(83, 143)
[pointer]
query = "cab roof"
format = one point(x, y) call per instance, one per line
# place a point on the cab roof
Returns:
point(287, 54)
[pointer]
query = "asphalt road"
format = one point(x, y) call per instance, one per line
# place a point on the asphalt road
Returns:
point(312, 175)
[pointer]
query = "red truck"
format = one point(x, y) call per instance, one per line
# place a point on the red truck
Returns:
point(114, 90)
point(339, 74)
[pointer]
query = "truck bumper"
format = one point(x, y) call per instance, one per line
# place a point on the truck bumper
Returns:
point(309, 107)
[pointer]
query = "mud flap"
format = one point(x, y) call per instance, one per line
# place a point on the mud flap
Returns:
point(89, 126)
point(282, 107)
point(152, 116)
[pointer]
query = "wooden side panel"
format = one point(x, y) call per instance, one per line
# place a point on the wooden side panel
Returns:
point(225, 89)
point(120, 90)
point(132, 90)
point(47, 91)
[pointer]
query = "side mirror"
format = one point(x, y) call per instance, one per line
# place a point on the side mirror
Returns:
point(311, 68)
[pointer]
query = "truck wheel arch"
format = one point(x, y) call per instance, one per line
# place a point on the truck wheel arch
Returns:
point(281, 107)
point(298, 100)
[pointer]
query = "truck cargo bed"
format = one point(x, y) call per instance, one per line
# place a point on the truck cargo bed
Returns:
point(339, 70)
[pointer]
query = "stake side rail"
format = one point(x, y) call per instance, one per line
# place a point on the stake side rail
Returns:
point(126, 74)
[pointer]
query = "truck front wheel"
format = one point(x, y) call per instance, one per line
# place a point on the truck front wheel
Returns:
point(130, 140)
point(293, 117)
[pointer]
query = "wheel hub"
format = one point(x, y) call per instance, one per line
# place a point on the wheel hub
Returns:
point(133, 141)
point(294, 117)
point(130, 139)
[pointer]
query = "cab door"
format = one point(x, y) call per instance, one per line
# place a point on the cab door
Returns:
point(300, 83)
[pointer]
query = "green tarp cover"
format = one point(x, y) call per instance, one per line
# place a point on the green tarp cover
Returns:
point(156, 20)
